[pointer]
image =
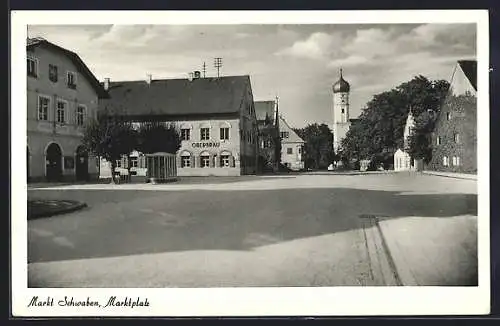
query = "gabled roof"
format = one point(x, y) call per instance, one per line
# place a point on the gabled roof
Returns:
point(264, 109)
point(469, 67)
point(82, 68)
point(293, 137)
point(177, 96)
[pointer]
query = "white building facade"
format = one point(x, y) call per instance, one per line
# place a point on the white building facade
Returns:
point(402, 159)
point(292, 147)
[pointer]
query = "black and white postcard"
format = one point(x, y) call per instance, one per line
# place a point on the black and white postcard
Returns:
point(250, 163)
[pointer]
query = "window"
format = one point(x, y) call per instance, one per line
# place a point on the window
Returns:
point(43, 108)
point(80, 115)
point(445, 160)
point(53, 73)
point(185, 134)
point(438, 140)
point(448, 115)
point(456, 161)
point(300, 150)
point(118, 163)
point(185, 161)
point(205, 161)
point(284, 134)
point(225, 160)
point(71, 80)
point(32, 67)
point(224, 133)
point(456, 137)
point(289, 151)
point(61, 108)
point(343, 110)
point(205, 133)
point(133, 162)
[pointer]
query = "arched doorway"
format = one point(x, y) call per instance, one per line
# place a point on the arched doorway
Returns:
point(53, 162)
point(27, 164)
point(82, 164)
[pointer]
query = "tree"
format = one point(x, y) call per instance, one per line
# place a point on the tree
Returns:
point(155, 136)
point(380, 128)
point(318, 149)
point(109, 137)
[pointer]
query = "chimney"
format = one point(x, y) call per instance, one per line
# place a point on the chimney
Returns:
point(197, 74)
point(106, 84)
point(149, 79)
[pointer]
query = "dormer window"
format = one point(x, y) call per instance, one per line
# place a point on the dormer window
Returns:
point(32, 66)
point(71, 80)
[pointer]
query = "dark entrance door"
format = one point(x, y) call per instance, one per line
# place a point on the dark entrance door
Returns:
point(54, 163)
point(82, 164)
point(27, 164)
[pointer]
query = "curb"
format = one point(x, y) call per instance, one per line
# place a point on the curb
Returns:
point(472, 177)
point(383, 269)
point(73, 208)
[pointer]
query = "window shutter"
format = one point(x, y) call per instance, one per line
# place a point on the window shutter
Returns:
point(231, 161)
point(178, 159)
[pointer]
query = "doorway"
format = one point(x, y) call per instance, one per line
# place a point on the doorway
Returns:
point(82, 164)
point(54, 163)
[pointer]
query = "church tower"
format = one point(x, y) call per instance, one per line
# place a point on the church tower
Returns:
point(341, 121)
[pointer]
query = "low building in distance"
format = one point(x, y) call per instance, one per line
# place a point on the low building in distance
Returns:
point(214, 115)
point(62, 93)
point(269, 135)
point(455, 136)
point(292, 147)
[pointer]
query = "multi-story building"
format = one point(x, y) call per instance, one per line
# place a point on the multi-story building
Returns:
point(61, 94)
point(269, 135)
point(215, 117)
point(455, 135)
point(292, 147)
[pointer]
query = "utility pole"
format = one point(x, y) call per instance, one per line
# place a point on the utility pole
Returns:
point(218, 65)
point(204, 69)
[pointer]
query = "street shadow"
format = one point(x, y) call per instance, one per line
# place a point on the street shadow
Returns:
point(119, 223)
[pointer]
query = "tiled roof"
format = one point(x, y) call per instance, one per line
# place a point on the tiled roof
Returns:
point(469, 67)
point(177, 96)
point(263, 109)
point(81, 66)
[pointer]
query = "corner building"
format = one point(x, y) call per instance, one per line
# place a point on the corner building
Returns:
point(215, 118)
point(62, 93)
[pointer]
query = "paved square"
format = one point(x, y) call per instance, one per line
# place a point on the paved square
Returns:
point(299, 230)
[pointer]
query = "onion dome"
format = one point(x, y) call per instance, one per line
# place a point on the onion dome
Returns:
point(341, 86)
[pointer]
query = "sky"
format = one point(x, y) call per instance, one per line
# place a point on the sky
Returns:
point(297, 63)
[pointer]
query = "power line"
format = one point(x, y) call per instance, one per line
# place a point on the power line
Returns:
point(218, 65)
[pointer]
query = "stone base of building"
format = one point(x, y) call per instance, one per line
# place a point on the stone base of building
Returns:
point(208, 172)
point(64, 178)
